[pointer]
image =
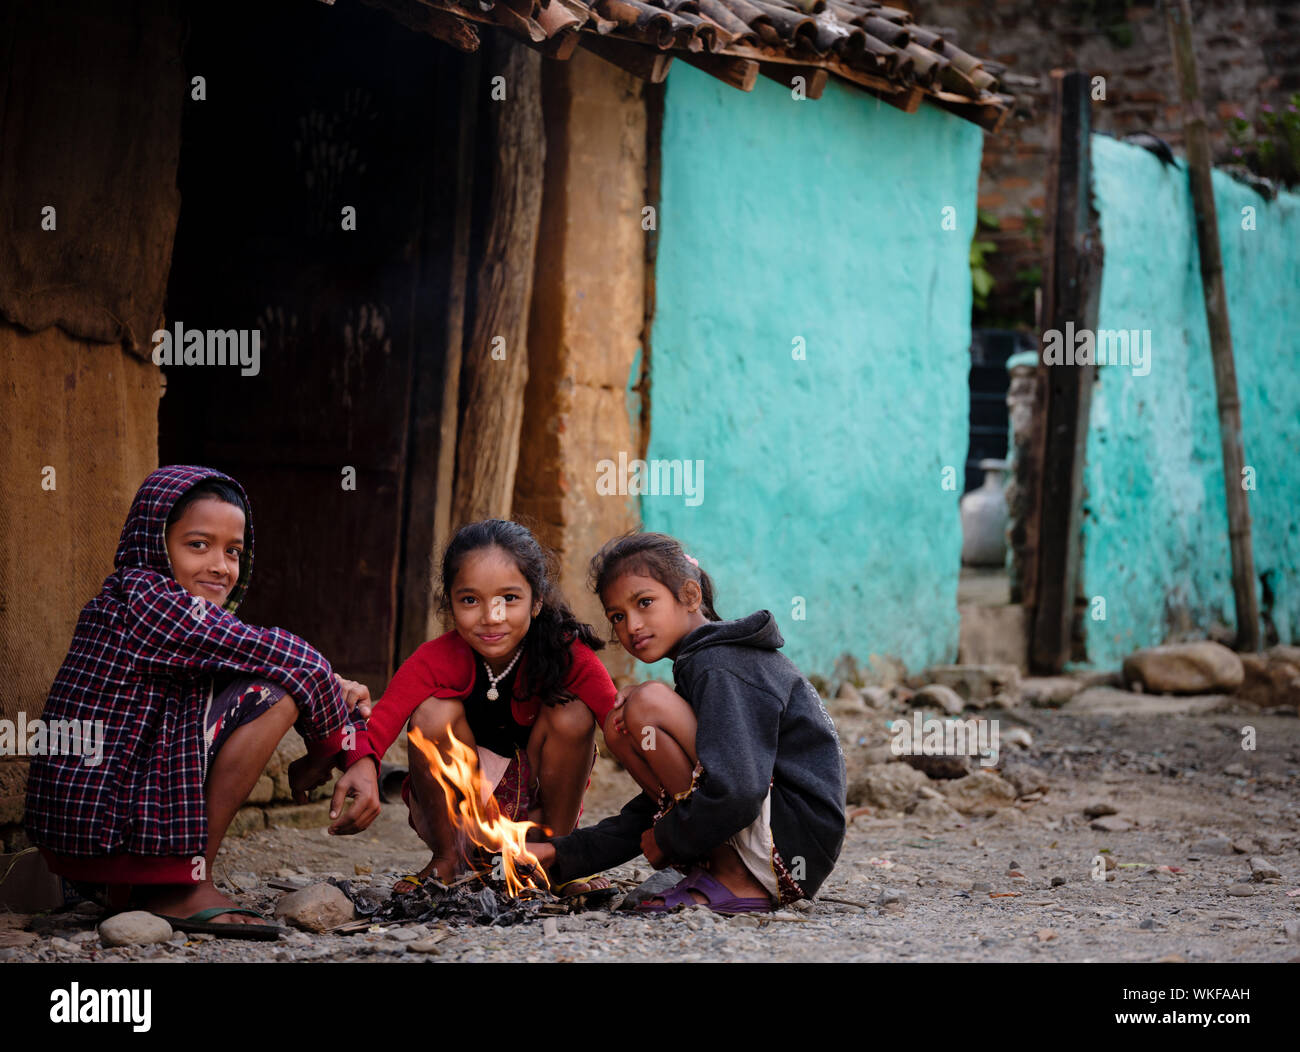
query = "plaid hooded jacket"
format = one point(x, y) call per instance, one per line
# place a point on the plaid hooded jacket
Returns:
point(142, 661)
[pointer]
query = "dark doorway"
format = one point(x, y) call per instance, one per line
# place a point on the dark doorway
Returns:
point(310, 110)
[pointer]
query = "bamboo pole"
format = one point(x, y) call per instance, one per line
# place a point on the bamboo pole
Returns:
point(1178, 16)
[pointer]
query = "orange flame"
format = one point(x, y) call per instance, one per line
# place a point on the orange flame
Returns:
point(481, 822)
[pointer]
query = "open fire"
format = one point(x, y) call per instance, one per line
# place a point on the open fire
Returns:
point(478, 820)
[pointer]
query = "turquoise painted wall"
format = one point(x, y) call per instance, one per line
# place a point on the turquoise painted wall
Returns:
point(820, 220)
point(1155, 542)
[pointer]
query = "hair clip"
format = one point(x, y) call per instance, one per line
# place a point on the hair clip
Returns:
point(692, 560)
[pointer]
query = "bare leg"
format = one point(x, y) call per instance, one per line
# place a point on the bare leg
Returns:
point(235, 771)
point(561, 749)
point(429, 804)
point(661, 736)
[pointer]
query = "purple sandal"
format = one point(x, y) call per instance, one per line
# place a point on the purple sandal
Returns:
point(718, 898)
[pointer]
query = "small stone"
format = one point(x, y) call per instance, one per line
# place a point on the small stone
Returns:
point(84, 936)
point(889, 897)
point(245, 881)
point(981, 886)
point(981, 793)
point(1148, 924)
point(1212, 845)
point(136, 928)
point(1262, 869)
point(1057, 881)
point(1291, 929)
point(316, 908)
point(63, 946)
point(550, 928)
point(939, 696)
point(1045, 935)
point(744, 920)
point(1111, 824)
point(88, 909)
point(430, 945)
point(1099, 808)
point(403, 934)
point(1018, 736)
point(1235, 770)
point(1201, 667)
point(1241, 890)
point(362, 870)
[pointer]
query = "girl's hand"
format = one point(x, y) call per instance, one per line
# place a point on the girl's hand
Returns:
point(355, 696)
point(305, 774)
point(615, 724)
point(361, 783)
point(650, 848)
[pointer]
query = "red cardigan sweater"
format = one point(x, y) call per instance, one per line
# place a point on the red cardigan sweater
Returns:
point(445, 668)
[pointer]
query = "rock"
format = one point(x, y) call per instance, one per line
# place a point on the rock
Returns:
point(978, 685)
point(247, 820)
point(1057, 881)
point(938, 696)
point(936, 812)
point(981, 793)
point(1212, 845)
point(1021, 773)
point(1045, 935)
point(848, 699)
point(890, 786)
point(262, 792)
point(981, 886)
point(1262, 869)
point(939, 766)
point(1202, 667)
point(1111, 824)
point(316, 908)
point(403, 934)
point(1048, 692)
point(64, 946)
point(1107, 701)
point(1291, 929)
point(136, 928)
point(429, 945)
point(1099, 808)
point(1017, 736)
point(84, 936)
point(877, 698)
point(1242, 890)
point(550, 927)
point(889, 897)
point(1271, 678)
point(362, 870)
point(298, 816)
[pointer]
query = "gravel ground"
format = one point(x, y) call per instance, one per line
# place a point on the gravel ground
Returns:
point(1016, 886)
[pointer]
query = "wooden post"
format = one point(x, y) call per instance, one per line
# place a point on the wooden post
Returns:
point(1178, 16)
point(1071, 284)
point(495, 364)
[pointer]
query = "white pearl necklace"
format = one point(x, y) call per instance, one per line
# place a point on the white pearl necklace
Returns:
point(492, 693)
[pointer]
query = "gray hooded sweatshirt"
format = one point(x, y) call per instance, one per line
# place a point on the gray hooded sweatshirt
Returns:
point(760, 723)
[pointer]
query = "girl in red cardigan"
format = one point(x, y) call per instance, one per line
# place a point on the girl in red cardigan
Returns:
point(518, 680)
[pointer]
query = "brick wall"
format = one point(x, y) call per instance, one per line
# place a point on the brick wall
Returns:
point(1248, 53)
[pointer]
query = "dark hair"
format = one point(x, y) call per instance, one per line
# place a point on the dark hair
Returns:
point(547, 658)
point(655, 555)
point(210, 489)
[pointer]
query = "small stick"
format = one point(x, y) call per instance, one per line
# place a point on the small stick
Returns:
point(844, 902)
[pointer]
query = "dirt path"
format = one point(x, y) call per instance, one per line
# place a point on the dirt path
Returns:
point(1016, 886)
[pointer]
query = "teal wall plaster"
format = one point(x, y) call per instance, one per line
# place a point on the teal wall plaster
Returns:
point(1155, 540)
point(822, 221)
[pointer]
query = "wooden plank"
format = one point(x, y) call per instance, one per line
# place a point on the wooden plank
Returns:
point(1071, 285)
point(435, 387)
point(739, 73)
point(1178, 15)
point(814, 77)
point(495, 364)
point(645, 62)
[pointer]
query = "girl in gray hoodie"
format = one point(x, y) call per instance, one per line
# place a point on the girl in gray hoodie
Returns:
point(740, 765)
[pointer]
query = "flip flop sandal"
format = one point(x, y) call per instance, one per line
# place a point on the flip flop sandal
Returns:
point(202, 923)
point(416, 884)
point(592, 896)
point(717, 897)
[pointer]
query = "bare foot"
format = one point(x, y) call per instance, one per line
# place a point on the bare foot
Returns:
point(184, 900)
point(444, 867)
point(594, 884)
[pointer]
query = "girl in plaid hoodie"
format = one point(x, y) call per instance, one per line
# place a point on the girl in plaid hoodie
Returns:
point(190, 702)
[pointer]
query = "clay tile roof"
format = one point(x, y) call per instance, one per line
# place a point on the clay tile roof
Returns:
point(877, 47)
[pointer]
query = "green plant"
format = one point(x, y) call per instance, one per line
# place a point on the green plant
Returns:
point(982, 280)
point(1269, 145)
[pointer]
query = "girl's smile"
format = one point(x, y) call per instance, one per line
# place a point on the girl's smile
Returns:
point(204, 546)
point(492, 605)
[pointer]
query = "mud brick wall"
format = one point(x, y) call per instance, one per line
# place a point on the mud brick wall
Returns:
point(1248, 52)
